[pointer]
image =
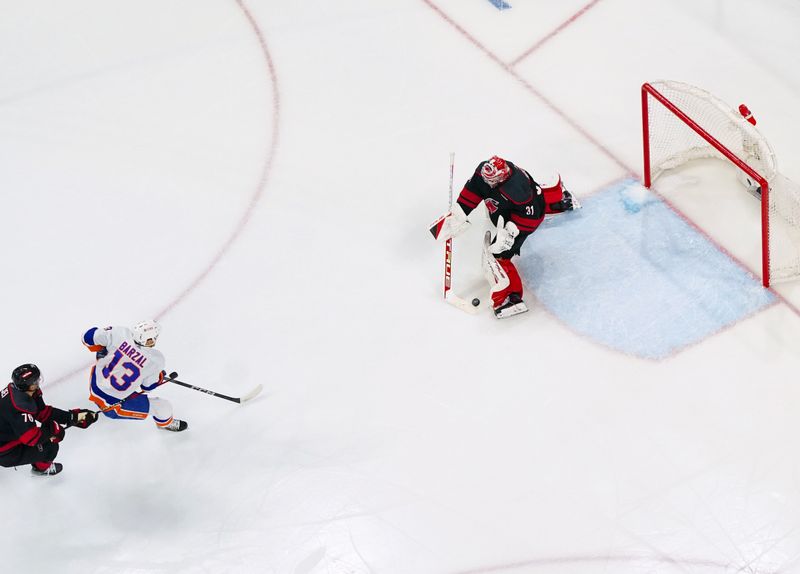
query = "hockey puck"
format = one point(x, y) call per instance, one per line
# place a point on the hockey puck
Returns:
point(476, 302)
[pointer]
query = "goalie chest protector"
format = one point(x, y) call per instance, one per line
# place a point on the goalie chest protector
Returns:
point(521, 194)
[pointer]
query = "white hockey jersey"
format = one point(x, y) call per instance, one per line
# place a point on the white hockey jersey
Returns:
point(127, 367)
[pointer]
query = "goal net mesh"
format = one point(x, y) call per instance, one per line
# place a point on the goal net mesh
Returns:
point(673, 142)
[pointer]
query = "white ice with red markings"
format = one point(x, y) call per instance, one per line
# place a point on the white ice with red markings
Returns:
point(259, 175)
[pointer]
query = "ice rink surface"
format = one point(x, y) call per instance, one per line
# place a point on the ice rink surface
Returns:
point(259, 175)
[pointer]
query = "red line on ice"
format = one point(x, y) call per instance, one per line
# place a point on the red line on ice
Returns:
point(529, 87)
point(265, 171)
point(258, 192)
point(555, 32)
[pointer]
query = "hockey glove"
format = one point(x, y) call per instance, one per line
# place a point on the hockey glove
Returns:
point(450, 224)
point(81, 418)
point(101, 353)
point(506, 234)
point(147, 388)
point(53, 431)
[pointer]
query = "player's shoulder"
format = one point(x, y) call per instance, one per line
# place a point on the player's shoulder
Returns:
point(153, 354)
point(517, 171)
point(5, 394)
point(113, 330)
point(14, 400)
point(120, 330)
point(519, 188)
point(117, 334)
point(476, 182)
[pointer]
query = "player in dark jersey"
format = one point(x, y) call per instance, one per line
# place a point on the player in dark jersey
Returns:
point(516, 206)
point(30, 430)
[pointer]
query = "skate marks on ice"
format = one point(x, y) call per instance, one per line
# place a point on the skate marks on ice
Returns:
point(634, 276)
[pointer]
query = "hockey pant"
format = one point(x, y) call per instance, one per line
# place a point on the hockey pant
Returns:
point(40, 456)
point(501, 289)
point(136, 407)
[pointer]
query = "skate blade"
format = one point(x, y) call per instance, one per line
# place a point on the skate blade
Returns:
point(517, 309)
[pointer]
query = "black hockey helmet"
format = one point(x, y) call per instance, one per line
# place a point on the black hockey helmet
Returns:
point(25, 376)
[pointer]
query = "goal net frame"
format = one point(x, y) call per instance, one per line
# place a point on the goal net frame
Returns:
point(650, 90)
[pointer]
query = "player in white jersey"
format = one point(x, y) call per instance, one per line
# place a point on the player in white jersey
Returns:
point(127, 369)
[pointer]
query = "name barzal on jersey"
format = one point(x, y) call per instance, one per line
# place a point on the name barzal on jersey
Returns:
point(127, 367)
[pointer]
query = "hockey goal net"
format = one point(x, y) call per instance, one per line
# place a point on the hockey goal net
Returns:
point(683, 123)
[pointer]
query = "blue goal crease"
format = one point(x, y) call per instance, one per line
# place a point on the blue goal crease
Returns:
point(500, 5)
point(629, 273)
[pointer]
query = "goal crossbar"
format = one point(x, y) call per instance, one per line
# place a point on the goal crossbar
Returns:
point(649, 90)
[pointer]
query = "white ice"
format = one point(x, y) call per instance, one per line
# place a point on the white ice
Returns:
point(260, 175)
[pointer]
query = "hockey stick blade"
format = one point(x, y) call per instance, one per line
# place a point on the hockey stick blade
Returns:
point(462, 304)
point(239, 400)
point(252, 394)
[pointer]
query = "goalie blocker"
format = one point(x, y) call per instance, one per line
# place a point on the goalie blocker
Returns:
point(516, 205)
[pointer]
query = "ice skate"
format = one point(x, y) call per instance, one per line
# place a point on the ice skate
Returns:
point(54, 468)
point(513, 305)
point(176, 426)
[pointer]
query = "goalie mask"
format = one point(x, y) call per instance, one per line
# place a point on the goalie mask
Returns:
point(495, 171)
point(146, 333)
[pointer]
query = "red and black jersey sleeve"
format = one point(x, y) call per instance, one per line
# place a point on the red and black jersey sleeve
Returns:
point(47, 413)
point(17, 422)
point(474, 192)
point(19, 414)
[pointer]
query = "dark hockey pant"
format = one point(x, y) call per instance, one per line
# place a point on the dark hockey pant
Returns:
point(40, 455)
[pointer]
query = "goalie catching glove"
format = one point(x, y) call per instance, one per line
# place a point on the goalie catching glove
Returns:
point(450, 224)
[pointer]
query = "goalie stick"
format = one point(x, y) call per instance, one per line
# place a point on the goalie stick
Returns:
point(448, 245)
point(449, 295)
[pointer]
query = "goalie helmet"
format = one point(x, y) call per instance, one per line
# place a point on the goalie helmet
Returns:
point(146, 333)
point(495, 171)
point(26, 376)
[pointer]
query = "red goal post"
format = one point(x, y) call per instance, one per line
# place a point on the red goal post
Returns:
point(681, 122)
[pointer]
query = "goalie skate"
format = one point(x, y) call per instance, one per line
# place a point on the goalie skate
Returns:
point(513, 305)
point(574, 201)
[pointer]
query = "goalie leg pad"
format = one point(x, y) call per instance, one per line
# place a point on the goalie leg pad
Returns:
point(553, 192)
point(557, 199)
point(492, 270)
point(513, 286)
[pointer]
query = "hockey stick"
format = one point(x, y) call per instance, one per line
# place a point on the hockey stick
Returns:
point(239, 400)
point(112, 406)
point(449, 296)
point(448, 245)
